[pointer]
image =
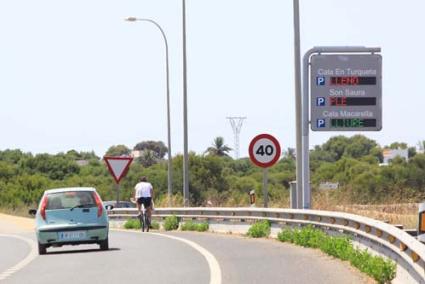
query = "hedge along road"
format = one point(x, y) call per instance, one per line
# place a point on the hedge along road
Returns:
point(241, 260)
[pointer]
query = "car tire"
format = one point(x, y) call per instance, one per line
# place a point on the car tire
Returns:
point(41, 249)
point(104, 245)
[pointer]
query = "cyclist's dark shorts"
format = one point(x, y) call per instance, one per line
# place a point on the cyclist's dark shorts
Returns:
point(146, 201)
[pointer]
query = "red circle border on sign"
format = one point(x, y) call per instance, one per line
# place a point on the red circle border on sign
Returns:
point(251, 150)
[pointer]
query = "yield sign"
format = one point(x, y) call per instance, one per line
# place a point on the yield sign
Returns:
point(118, 166)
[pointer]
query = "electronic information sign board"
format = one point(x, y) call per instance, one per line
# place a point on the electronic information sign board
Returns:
point(346, 92)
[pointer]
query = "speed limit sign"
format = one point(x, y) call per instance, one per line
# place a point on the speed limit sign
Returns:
point(264, 150)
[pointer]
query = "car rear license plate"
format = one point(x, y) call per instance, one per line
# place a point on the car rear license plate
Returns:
point(72, 235)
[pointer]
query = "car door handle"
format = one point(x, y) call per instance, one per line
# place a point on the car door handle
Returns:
point(86, 210)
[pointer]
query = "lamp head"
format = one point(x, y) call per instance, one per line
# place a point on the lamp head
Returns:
point(131, 19)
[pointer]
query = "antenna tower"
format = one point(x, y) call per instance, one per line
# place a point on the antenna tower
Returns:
point(236, 123)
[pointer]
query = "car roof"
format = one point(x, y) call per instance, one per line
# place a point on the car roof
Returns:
point(67, 189)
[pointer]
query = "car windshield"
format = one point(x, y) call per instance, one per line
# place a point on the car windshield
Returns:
point(70, 199)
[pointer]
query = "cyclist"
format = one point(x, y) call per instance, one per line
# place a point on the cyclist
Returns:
point(143, 194)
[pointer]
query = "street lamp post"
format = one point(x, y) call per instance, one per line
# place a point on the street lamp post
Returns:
point(185, 140)
point(170, 165)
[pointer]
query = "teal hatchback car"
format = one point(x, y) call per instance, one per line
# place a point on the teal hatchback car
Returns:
point(71, 216)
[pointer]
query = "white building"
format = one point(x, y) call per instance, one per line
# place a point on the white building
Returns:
point(390, 154)
point(136, 153)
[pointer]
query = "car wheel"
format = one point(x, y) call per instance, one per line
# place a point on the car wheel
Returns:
point(41, 249)
point(104, 245)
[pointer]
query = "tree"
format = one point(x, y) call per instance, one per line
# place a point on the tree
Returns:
point(290, 153)
point(118, 150)
point(359, 146)
point(157, 147)
point(336, 146)
point(398, 145)
point(56, 167)
point(148, 158)
point(421, 146)
point(73, 154)
point(218, 148)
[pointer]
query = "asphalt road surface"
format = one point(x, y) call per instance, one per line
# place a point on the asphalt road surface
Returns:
point(152, 258)
point(12, 251)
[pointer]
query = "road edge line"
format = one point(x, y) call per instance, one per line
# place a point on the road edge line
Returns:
point(30, 256)
point(215, 271)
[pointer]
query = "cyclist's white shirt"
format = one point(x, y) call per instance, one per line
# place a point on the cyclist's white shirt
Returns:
point(143, 189)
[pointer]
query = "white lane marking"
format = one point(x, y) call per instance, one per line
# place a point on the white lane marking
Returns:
point(215, 271)
point(30, 257)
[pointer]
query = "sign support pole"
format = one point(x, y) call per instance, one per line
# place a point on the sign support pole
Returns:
point(306, 202)
point(265, 189)
point(117, 188)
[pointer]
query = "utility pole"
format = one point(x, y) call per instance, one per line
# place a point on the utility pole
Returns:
point(236, 123)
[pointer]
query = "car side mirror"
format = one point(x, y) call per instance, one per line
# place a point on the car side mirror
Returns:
point(32, 212)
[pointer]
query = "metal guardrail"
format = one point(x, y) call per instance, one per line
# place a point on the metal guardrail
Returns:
point(399, 242)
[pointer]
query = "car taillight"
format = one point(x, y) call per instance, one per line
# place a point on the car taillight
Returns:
point(43, 207)
point(99, 204)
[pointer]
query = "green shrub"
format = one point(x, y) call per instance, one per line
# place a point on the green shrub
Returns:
point(286, 235)
point(171, 223)
point(259, 229)
point(155, 225)
point(188, 226)
point(383, 271)
point(191, 226)
point(308, 237)
point(202, 227)
point(339, 247)
point(132, 224)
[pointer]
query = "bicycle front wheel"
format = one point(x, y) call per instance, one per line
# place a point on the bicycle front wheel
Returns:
point(142, 223)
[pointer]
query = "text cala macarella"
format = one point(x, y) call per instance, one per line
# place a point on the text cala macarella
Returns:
point(348, 114)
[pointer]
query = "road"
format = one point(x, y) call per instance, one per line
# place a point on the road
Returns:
point(177, 257)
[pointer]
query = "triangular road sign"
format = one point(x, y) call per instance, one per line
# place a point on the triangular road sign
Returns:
point(118, 166)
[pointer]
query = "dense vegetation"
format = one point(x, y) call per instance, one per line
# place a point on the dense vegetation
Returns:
point(215, 178)
point(382, 270)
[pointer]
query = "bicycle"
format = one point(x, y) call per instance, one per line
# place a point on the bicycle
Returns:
point(143, 217)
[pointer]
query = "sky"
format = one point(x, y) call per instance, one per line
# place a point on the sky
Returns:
point(75, 75)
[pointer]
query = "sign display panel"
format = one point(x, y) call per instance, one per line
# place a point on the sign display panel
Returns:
point(346, 92)
point(118, 166)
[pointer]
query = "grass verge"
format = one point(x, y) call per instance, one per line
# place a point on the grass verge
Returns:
point(382, 270)
point(191, 226)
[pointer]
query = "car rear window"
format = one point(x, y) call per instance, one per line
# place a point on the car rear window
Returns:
point(70, 199)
